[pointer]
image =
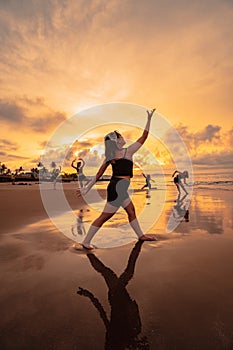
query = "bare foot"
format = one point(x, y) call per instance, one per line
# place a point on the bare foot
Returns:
point(88, 246)
point(80, 246)
point(148, 238)
point(77, 246)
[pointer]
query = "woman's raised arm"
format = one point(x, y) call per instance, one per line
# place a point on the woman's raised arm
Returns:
point(72, 164)
point(83, 162)
point(140, 141)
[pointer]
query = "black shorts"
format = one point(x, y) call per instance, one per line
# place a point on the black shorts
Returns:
point(117, 191)
point(176, 179)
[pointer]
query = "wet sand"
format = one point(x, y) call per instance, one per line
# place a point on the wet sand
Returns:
point(171, 294)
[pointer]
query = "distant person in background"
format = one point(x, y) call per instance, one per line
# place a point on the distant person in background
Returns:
point(13, 179)
point(79, 168)
point(54, 176)
point(178, 180)
point(148, 180)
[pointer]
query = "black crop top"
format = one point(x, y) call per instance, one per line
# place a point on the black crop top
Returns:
point(122, 167)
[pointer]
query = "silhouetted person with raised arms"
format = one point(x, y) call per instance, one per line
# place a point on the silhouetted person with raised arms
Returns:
point(54, 176)
point(79, 168)
point(124, 325)
point(121, 160)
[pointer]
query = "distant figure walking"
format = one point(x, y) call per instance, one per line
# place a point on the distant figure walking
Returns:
point(148, 181)
point(79, 168)
point(178, 180)
point(121, 160)
point(54, 176)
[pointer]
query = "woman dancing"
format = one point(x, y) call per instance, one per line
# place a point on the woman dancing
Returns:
point(148, 181)
point(121, 160)
point(79, 168)
point(177, 180)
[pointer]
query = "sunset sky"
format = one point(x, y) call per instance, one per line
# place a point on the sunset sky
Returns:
point(59, 57)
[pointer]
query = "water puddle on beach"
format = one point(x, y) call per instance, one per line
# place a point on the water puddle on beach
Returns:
point(116, 232)
point(158, 213)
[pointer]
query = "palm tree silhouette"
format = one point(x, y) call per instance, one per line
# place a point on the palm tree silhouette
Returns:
point(124, 326)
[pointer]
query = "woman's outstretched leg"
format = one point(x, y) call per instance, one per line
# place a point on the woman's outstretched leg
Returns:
point(133, 221)
point(107, 213)
point(178, 187)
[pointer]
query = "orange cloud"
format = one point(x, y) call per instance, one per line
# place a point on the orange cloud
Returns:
point(64, 56)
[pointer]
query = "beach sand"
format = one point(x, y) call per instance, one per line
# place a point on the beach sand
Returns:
point(172, 294)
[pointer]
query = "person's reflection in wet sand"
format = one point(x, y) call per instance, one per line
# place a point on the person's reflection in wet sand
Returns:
point(124, 326)
point(180, 210)
point(148, 196)
point(80, 224)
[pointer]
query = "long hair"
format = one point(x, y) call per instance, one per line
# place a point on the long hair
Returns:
point(110, 142)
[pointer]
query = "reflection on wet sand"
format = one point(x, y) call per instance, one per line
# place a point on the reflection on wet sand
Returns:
point(148, 197)
point(124, 326)
point(79, 228)
point(180, 209)
point(180, 213)
point(211, 213)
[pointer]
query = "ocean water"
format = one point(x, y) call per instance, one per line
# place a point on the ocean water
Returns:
point(221, 180)
point(211, 179)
